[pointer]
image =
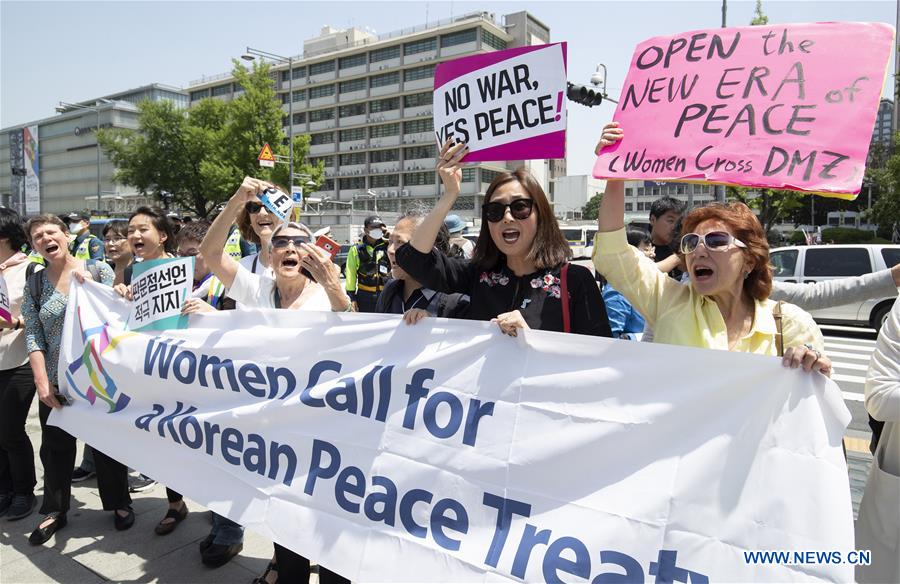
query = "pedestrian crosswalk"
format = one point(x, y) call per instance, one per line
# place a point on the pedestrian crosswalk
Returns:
point(850, 357)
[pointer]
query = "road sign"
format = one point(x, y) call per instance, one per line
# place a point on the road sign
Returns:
point(266, 158)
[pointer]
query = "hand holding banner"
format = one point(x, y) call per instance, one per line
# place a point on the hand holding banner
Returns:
point(786, 106)
point(506, 105)
point(159, 289)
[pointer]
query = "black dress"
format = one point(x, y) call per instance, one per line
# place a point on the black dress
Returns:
point(499, 290)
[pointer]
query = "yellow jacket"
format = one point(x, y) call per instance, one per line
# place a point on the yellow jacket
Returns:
point(680, 316)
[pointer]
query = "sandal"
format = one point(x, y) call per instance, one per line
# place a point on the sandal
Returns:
point(177, 515)
point(272, 567)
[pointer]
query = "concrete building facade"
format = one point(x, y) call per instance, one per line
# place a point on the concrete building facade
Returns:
point(366, 102)
point(71, 174)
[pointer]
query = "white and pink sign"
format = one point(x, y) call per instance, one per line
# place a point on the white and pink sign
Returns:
point(507, 105)
point(783, 106)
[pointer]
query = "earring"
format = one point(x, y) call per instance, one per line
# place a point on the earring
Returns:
point(746, 275)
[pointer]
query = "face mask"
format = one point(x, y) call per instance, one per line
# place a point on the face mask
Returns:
point(74, 227)
point(376, 234)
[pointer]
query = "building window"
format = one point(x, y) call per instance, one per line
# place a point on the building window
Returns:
point(384, 155)
point(353, 158)
point(357, 109)
point(221, 90)
point(418, 99)
point(298, 95)
point(379, 181)
point(329, 185)
point(420, 46)
point(300, 118)
point(629, 206)
point(418, 126)
point(354, 134)
point(285, 75)
point(354, 85)
point(385, 79)
point(468, 175)
point(328, 161)
point(488, 176)
point(419, 152)
point(411, 179)
point(323, 91)
point(458, 38)
point(323, 138)
point(493, 41)
point(354, 182)
point(321, 115)
point(299, 72)
point(384, 130)
point(384, 105)
point(199, 94)
point(352, 61)
point(384, 54)
point(284, 120)
point(418, 73)
point(326, 67)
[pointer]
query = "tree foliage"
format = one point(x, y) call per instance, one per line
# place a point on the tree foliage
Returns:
point(196, 158)
point(591, 209)
point(886, 209)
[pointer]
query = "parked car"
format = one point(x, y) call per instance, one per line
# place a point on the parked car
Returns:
point(826, 262)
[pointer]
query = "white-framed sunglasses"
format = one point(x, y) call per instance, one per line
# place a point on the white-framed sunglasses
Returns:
point(714, 241)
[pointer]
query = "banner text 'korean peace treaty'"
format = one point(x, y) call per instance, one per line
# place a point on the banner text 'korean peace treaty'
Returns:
point(506, 105)
point(775, 106)
point(390, 453)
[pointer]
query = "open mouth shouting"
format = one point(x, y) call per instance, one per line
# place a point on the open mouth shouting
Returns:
point(702, 273)
point(291, 261)
point(51, 248)
point(138, 247)
point(510, 236)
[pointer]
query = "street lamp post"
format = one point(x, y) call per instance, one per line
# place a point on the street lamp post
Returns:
point(374, 196)
point(250, 55)
point(63, 106)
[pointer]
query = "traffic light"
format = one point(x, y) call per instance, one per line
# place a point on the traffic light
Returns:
point(584, 94)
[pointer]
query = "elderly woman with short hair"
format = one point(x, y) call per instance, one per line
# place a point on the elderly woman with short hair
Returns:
point(726, 304)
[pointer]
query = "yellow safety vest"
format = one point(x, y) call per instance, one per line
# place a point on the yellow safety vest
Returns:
point(233, 244)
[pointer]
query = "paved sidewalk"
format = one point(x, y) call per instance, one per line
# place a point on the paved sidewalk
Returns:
point(89, 549)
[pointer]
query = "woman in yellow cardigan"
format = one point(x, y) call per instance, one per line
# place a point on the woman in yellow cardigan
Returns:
point(725, 306)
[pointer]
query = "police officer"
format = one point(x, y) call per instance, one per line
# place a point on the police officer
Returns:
point(85, 246)
point(368, 267)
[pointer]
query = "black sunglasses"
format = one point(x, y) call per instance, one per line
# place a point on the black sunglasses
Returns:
point(519, 208)
point(282, 241)
point(252, 207)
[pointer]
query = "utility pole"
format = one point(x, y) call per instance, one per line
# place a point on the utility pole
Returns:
point(720, 189)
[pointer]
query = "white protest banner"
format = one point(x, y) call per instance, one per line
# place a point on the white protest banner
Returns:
point(277, 202)
point(506, 105)
point(159, 289)
point(448, 452)
point(5, 302)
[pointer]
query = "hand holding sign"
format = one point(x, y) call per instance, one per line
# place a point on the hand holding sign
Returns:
point(250, 189)
point(449, 166)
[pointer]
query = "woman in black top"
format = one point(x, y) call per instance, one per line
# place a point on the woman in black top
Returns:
point(514, 276)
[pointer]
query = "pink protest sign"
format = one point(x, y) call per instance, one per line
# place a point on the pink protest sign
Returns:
point(506, 105)
point(783, 106)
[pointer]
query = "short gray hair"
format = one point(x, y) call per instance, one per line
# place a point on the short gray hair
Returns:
point(292, 225)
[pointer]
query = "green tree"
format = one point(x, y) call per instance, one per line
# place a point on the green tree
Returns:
point(199, 156)
point(886, 209)
point(759, 17)
point(591, 209)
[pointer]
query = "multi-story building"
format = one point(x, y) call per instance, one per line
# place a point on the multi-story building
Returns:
point(884, 123)
point(639, 195)
point(69, 172)
point(366, 102)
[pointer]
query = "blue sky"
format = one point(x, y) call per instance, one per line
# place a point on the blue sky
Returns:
point(72, 51)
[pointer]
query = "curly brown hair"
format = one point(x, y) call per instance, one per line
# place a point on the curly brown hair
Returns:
point(549, 248)
point(744, 225)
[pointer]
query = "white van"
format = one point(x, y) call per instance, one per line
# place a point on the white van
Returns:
point(827, 262)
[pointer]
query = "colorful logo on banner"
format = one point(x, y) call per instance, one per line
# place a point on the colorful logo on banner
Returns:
point(783, 106)
point(99, 385)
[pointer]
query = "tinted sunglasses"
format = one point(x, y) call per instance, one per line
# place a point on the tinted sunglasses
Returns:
point(714, 241)
point(519, 209)
point(252, 207)
point(282, 241)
